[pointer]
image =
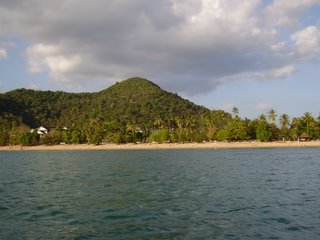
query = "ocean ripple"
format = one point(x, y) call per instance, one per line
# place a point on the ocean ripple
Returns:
point(165, 194)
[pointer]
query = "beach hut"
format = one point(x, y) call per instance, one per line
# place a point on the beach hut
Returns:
point(42, 130)
point(138, 130)
point(303, 137)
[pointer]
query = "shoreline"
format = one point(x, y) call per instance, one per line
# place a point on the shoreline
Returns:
point(155, 146)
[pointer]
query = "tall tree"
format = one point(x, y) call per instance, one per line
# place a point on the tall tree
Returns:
point(236, 130)
point(309, 125)
point(235, 112)
point(263, 132)
point(284, 120)
point(262, 117)
point(181, 132)
point(158, 122)
point(190, 124)
point(272, 115)
point(130, 132)
point(295, 128)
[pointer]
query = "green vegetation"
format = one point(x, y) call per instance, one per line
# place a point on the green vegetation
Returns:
point(134, 110)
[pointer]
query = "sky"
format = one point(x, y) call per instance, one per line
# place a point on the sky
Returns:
point(255, 55)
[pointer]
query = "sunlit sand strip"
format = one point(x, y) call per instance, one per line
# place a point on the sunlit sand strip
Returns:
point(147, 146)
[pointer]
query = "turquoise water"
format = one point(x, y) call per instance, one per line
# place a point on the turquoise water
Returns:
point(160, 194)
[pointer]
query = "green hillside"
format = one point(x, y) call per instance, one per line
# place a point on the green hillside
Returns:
point(134, 100)
point(141, 101)
point(133, 103)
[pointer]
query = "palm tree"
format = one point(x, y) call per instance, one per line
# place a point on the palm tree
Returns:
point(210, 125)
point(94, 131)
point(262, 117)
point(158, 122)
point(130, 127)
point(295, 126)
point(235, 112)
point(308, 119)
point(272, 115)
point(130, 131)
point(190, 123)
point(179, 122)
point(284, 121)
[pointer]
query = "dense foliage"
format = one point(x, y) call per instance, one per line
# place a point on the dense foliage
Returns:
point(134, 110)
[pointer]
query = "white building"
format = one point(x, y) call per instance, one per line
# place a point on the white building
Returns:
point(42, 130)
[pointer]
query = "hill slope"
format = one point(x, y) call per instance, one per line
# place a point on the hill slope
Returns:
point(135, 100)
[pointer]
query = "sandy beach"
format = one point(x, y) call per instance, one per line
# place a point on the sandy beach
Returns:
point(151, 146)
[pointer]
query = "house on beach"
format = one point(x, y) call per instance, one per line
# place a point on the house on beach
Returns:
point(42, 131)
point(303, 137)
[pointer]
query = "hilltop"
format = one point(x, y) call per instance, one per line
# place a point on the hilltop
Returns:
point(126, 111)
point(135, 100)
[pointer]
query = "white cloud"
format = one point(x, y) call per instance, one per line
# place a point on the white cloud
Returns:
point(270, 74)
point(276, 73)
point(3, 53)
point(188, 46)
point(279, 47)
point(43, 57)
point(263, 106)
point(307, 42)
point(38, 55)
point(43, 49)
point(62, 64)
point(283, 72)
point(287, 13)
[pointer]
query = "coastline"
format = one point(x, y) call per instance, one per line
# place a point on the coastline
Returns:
point(155, 146)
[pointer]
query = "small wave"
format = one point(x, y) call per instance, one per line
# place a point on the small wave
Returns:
point(118, 217)
point(283, 220)
point(4, 208)
point(294, 229)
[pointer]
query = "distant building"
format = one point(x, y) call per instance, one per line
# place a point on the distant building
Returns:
point(138, 130)
point(42, 130)
point(303, 137)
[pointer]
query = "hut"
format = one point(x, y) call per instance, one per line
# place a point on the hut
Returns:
point(41, 131)
point(303, 137)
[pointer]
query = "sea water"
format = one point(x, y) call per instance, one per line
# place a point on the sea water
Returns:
point(160, 194)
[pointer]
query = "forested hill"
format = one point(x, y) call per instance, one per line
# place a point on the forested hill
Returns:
point(134, 110)
point(136, 101)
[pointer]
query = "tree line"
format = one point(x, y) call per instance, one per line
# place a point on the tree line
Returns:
point(215, 125)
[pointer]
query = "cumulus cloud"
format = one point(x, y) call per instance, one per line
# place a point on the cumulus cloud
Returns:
point(48, 58)
point(287, 13)
point(276, 73)
point(188, 46)
point(307, 43)
point(3, 53)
